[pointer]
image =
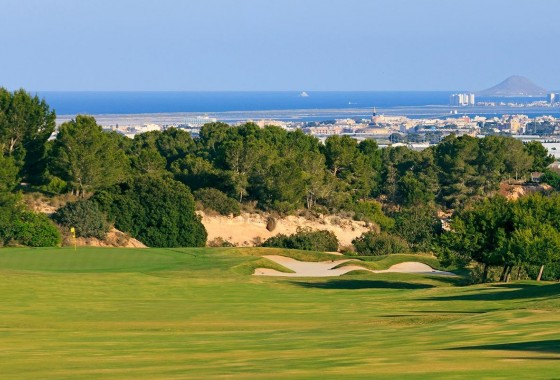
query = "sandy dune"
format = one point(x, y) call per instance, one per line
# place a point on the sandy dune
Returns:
point(248, 229)
point(327, 268)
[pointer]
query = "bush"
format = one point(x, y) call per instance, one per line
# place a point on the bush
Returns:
point(551, 178)
point(85, 216)
point(33, 230)
point(370, 211)
point(157, 211)
point(324, 241)
point(220, 242)
point(216, 200)
point(371, 243)
point(54, 185)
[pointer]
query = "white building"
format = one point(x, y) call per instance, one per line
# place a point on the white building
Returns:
point(462, 100)
point(147, 128)
point(199, 121)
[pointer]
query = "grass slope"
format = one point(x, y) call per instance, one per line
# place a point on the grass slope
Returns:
point(188, 313)
point(385, 262)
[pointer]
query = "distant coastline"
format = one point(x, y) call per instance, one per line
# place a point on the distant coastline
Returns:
point(239, 106)
point(97, 103)
point(296, 115)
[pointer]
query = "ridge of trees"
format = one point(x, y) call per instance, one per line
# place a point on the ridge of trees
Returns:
point(144, 185)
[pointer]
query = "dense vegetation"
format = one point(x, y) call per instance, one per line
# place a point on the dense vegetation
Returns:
point(145, 186)
point(498, 232)
point(85, 217)
point(307, 240)
point(156, 210)
point(214, 199)
point(374, 244)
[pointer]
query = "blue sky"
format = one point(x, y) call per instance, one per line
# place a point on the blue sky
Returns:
point(277, 44)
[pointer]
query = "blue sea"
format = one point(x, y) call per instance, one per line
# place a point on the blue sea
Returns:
point(67, 103)
point(409, 103)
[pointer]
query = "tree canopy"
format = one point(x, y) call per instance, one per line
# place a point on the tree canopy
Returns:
point(86, 157)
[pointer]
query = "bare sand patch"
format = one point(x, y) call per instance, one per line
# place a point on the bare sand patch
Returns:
point(247, 230)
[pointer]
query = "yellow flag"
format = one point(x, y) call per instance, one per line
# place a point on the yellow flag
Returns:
point(73, 230)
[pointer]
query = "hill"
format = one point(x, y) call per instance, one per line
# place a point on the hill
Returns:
point(514, 86)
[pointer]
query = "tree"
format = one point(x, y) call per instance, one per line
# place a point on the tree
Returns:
point(315, 178)
point(409, 177)
point(171, 145)
point(552, 178)
point(348, 163)
point(26, 123)
point(340, 152)
point(460, 181)
point(536, 237)
point(86, 157)
point(482, 233)
point(148, 161)
point(537, 244)
point(541, 158)
point(418, 225)
point(158, 211)
point(8, 174)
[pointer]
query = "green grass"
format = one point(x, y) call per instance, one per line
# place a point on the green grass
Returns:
point(195, 313)
point(385, 262)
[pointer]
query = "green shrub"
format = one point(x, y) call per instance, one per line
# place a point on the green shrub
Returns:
point(33, 230)
point(371, 243)
point(551, 178)
point(157, 211)
point(85, 216)
point(370, 211)
point(8, 173)
point(54, 185)
point(305, 239)
point(215, 200)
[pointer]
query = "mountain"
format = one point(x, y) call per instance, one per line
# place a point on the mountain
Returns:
point(514, 86)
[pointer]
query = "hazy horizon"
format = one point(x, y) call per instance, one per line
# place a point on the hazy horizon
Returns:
point(288, 45)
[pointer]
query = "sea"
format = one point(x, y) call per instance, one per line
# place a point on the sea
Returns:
point(284, 105)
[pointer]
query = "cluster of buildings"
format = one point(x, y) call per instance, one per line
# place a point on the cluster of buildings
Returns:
point(384, 128)
point(188, 124)
point(462, 100)
point(417, 133)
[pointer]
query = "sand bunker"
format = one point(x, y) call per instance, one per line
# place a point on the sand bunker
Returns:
point(327, 268)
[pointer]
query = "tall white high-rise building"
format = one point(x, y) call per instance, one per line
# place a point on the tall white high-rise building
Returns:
point(466, 99)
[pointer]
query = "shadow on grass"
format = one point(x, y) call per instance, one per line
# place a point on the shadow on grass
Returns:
point(505, 292)
point(544, 346)
point(362, 284)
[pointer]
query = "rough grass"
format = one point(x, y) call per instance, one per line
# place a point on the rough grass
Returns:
point(249, 267)
point(187, 313)
point(387, 261)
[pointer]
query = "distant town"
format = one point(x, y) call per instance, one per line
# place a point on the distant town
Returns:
point(417, 133)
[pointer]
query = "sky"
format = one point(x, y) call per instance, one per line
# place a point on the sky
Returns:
point(276, 45)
